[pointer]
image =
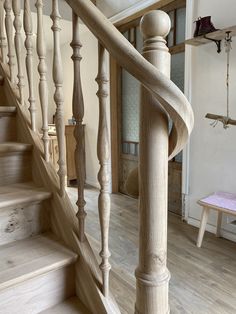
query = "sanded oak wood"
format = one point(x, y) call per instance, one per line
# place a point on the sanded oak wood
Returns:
point(21, 193)
point(10, 147)
point(70, 306)
point(7, 110)
point(25, 259)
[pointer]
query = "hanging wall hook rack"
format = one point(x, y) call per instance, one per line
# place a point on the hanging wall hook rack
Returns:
point(216, 41)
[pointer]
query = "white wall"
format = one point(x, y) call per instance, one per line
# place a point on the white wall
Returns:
point(212, 150)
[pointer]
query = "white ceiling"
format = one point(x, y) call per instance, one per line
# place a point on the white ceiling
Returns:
point(108, 7)
point(112, 7)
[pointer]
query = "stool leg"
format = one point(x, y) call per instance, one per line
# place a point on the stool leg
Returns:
point(205, 214)
point(219, 221)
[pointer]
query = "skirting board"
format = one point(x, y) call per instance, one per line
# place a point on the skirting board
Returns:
point(93, 183)
point(211, 228)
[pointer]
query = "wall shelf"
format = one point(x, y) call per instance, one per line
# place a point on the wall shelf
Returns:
point(216, 37)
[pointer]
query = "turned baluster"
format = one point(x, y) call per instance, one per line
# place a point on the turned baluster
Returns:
point(152, 275)
point(28, 28)
point(2, 33)
point(78, 113)
point(16, 4)
point(42, 69)
point(58, 95)
point(103, 152)
point(9, 32)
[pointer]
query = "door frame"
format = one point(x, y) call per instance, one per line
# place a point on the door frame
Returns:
point(115, 85)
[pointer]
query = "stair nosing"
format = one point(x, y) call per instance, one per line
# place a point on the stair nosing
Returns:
point(7, 109)
point(34, 273)
point(14, 147)
point(23, 199)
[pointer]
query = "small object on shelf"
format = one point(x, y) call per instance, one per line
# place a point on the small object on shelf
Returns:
point(205, 26)
point(216, 36)
point(225, 120)
point(196, 32)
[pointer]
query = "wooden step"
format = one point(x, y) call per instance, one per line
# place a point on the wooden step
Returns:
point(70, 306)
point(20, 194)
point(8, 124)
point(14, 147)
point(23, 212)
point(15, 163)
point(35, 274)
point(7, 111)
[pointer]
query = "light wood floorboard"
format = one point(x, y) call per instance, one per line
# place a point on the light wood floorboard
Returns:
point(203, 281)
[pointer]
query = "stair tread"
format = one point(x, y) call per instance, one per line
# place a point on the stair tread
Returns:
point(7, 109)
point(21, 193)
point(24, 259)
point(70, 306)
point(8, 147)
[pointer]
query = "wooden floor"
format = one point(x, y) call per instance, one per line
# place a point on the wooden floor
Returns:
point(203, 281)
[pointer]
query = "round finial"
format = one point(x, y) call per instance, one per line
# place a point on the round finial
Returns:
point(155, 23)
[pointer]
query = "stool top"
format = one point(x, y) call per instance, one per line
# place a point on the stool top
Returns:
point(222, 200)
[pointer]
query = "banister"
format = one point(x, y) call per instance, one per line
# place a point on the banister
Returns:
point(162, 88)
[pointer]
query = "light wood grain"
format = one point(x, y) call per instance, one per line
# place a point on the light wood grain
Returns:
point(15, 163)
point(70, 152)
point(42, 69)
point(9, 33)
point(18, 47)
point(28, 28)
point(78, 114)
point(70, 306)
point(25, 259)
point(20, 194)
point(211, 292)
point(7, 124)
point(39, 293)
point(23, 220)
point(152, 274)
point(103, 152)
point(58, 95)
point(3, 43)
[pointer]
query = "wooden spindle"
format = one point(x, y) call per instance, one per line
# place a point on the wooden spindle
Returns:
point(42, 69)
point(78, 113)
point(58, 95)
point(152, 275)
point(16, 5)
point(103, 152)
point(28, 28)
point(3, 44)
point(9, 32)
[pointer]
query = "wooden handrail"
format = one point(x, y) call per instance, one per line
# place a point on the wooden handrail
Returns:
point(162, 88)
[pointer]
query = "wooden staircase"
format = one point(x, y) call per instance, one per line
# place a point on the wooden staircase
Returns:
point(37, 271)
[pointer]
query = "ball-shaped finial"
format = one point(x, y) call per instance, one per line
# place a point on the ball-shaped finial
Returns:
point(155, 23)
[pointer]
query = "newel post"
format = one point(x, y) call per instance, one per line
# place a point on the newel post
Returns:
point(152, 275)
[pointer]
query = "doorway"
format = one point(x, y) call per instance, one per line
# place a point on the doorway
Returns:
point(127, 111)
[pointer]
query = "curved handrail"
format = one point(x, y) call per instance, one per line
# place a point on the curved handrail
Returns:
point(163, 89)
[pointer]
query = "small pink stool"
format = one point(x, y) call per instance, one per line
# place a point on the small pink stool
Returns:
point(222, 202)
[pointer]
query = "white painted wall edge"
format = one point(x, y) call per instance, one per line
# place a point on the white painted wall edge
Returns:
point(188, 93)
point(131, 10)
point(210, 228)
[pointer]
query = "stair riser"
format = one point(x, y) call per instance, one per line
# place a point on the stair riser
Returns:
point(7, 128)
point(40, 293)
point(15, 168)
point(23, 222)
